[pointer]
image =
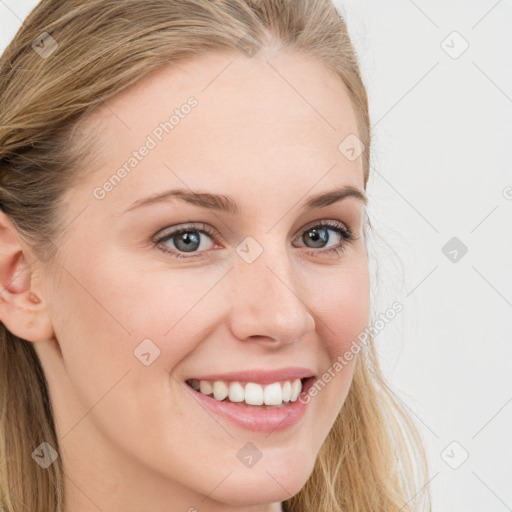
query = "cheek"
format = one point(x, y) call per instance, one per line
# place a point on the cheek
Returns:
point(104, 314)
point(127, 318)
point(341, 304)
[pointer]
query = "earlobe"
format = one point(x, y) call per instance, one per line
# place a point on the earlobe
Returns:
point(22, 309)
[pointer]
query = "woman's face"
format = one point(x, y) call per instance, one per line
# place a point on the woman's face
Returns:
point(251, 288)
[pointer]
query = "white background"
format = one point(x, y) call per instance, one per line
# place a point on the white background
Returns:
point(442, 131)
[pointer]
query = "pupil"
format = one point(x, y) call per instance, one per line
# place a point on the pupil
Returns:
point(318, 236)
point(189, 239)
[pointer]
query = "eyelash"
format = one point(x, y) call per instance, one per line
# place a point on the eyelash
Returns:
point(346, 234)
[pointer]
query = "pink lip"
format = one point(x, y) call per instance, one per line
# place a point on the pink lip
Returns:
point(258, 418)
point(259, 376)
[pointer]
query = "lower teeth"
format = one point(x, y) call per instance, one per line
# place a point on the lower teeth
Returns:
point(263, 406)
point(245, 404)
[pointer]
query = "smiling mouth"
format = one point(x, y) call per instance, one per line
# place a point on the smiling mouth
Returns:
point(252, 394)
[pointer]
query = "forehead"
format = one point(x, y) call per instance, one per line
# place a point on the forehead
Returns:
point(272, 117)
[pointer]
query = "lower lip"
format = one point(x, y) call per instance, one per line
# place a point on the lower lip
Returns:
point(258, 419)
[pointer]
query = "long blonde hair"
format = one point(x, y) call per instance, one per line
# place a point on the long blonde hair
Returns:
point(373, 459)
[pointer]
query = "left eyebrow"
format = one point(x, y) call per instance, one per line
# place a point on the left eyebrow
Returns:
point(226, 203)
point(327, 198)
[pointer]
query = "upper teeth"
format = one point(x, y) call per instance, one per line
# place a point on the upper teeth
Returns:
point(252, 392)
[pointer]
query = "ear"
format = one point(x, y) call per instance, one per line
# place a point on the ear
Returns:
point(22, 308)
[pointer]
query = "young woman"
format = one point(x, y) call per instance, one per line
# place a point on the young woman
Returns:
point(185, 295)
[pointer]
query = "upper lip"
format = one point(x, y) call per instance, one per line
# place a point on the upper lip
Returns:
point(259, 376)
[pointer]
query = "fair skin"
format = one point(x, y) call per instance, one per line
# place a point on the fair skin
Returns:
point(131, 436)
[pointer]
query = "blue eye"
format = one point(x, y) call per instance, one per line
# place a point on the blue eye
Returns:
point(185, 240)
point(318, 236)
point(189, 239)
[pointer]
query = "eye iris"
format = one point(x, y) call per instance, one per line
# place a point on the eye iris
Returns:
point(318, 236)
point(189, 238)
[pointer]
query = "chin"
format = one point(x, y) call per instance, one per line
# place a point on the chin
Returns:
point(248, 487)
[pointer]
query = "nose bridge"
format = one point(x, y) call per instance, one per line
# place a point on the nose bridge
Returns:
point(267, 301)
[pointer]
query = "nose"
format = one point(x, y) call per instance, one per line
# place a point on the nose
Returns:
point(267, 301)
